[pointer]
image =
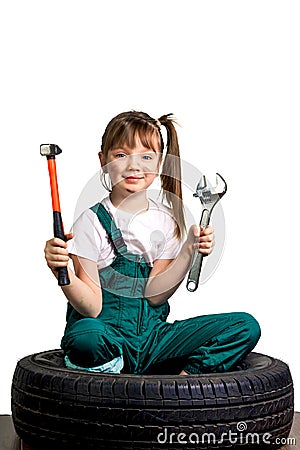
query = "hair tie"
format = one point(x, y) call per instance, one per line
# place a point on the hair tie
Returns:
point(158, 123)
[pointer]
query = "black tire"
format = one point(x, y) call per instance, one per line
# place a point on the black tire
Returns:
point(57, 408)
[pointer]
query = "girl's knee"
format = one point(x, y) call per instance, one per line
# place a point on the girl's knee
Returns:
point(89, 344)
point(251, 328)
point(84, 349)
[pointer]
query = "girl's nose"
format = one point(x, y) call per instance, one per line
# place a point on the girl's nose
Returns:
point(134, 162)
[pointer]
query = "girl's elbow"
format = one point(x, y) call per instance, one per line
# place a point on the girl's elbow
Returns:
point(95, 313)
point(151, 301)
point(156, 300)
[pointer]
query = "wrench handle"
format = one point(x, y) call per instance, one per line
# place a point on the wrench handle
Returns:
point(197, 258)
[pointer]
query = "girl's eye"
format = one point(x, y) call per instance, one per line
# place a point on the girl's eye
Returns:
point(120, 155)
point(147, 157)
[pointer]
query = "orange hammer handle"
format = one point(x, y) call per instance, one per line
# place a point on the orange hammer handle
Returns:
point(53, 184)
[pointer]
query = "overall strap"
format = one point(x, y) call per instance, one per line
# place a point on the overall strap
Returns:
point(113, 232)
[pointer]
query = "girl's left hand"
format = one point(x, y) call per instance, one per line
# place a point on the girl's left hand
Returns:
point(204, 240)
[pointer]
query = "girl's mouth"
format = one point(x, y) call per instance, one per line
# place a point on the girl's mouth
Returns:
point(133, 179)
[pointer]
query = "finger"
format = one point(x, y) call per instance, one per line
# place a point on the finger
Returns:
point(61, 248)
point(60, 255)
point(52, 251)
point(56, 254)
point(57, 264)
point(56, 242)
point(204, 251)
point(57, 261)
point(207, 231)
point(204, 247)
point(59, 252)
point(196, 230)
point(69, 236)
point(208, 238)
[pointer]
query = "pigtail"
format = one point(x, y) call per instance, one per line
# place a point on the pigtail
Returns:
point(171, 175)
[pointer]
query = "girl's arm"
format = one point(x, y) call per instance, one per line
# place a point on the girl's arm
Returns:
point(84, 291)
point(167, 275)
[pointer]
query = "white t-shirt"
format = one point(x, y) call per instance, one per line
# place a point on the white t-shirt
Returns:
point(149, 234)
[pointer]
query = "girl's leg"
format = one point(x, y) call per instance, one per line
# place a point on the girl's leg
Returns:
point(91, 343)
point(213, 343)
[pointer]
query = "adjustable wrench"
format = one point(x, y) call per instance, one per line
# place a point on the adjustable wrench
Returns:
point(209, 198)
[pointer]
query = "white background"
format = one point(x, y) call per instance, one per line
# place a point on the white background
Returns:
point(228, 70)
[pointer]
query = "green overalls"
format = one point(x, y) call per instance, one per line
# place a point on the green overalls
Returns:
point(129, 327)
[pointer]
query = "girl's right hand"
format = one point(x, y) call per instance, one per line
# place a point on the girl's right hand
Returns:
point(56, 253)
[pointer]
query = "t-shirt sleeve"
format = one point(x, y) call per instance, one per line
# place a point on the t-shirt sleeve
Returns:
point(87, 239)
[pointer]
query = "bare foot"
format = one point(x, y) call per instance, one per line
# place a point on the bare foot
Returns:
point(183, 372)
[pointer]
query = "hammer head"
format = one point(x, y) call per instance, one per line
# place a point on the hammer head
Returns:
point(50, 150)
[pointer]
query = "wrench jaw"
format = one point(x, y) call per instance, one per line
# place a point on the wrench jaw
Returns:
point(221, 186)
point(210, 196)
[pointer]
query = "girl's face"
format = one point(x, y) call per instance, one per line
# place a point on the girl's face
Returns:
point(131, 169)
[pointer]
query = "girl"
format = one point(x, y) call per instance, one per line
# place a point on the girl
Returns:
point(129, 257)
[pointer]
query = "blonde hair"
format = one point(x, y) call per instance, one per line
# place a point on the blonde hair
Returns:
point(127, 127)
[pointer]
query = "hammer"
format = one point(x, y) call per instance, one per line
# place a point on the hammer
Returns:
point(50, 151)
